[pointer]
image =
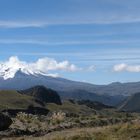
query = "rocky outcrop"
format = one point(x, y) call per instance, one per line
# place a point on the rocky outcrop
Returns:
point(5, 122)
point(43, 94)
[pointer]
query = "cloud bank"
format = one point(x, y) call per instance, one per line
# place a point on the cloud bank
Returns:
point(125, 67)
point(41, 66)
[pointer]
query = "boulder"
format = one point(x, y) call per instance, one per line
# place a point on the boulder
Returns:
point(5, 122)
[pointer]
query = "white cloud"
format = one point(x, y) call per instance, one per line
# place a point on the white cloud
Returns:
point(21, 24)
point(43, 65)
point(47, 64)
point(119, 67)
point(91, 68)
point(55, 75)
point(74, 42)
point(125, 67)
point(71, 21)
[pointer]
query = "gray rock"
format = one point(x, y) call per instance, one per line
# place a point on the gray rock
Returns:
point(5, 122)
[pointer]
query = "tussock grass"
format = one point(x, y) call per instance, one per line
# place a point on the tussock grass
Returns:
point(126, 131)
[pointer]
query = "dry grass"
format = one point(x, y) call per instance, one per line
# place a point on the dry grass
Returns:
point(126, 131)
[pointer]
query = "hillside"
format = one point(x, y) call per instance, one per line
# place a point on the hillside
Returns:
point(40, 96)
point(94, 105)
point(36, 96)
point(14, 100)
point(132, 104)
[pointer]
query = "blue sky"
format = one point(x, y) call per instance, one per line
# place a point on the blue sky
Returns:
point(101, 38)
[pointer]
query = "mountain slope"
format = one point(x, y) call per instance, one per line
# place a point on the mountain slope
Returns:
point(132, 104)
point(14, 100)
point(94, 105)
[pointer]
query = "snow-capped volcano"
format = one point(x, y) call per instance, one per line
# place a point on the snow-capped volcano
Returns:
point(20, 78)
point(7, 73)
point(13, 66)
point(10, 73)
point(43, 66)
point(17, 74)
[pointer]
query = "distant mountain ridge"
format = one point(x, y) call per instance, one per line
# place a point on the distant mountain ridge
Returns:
point(23, 80)
point(111, 94)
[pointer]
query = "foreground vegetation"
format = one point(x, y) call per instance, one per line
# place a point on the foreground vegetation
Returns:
point(74, 120)
point(125, 131)
point(39, 114)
